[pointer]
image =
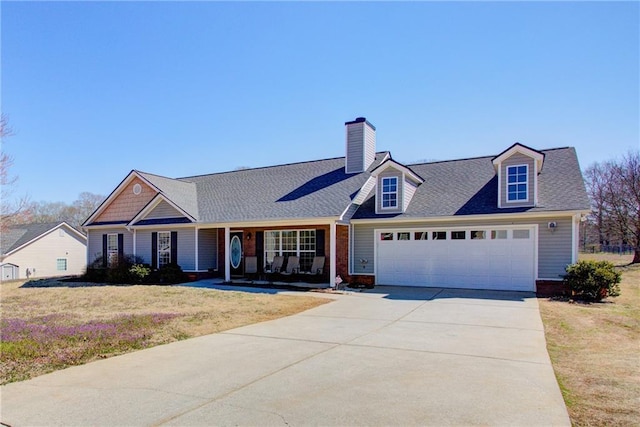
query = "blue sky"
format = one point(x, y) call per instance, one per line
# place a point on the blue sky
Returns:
point(96, 89)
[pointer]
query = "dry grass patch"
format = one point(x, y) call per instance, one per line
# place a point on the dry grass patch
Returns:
point(49, 328)
point(595, 351)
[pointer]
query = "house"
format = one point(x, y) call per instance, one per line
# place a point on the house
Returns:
point(42, 250)
point(508, 221)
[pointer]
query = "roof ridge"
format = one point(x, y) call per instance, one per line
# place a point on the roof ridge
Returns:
point(271, 166)
point(477, 158)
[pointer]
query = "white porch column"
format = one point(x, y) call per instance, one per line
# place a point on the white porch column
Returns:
point(332, 254)
point(227, 255)
point(135, 243)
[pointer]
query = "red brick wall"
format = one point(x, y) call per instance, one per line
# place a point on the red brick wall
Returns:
point(342, 252)
point(551, 288)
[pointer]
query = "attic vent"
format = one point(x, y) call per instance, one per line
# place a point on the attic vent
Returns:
point(137, 189)
point(360, 145)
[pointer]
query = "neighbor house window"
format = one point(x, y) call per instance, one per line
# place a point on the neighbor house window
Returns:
point(164, 248)
point(61, 264)
point(112, 249)
point(300, 243)
point(517, 183)
point(390, 192)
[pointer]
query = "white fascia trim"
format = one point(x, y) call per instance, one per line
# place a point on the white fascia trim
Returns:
point(519, 148)
point(499, 186)
point(272, 223)
point(160, 226)
point(400, 167)
point(44, 234)
point(115, 193)
point(153, 203)
point(523, 215)
point(575, 232)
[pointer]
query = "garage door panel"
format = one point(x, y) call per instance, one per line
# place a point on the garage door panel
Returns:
point(479, 263)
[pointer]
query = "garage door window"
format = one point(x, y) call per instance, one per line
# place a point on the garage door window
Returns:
point(439, 235)
point(520, 234)
point(478, 235)
point(458, 235)
point(421, 235)
point(498, 234)
point(404, 236)
point(386, 236)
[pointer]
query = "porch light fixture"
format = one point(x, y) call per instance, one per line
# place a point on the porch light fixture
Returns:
point(249, 236)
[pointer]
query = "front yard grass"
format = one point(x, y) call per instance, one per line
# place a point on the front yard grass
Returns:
point(46, 328)
point(595, 351)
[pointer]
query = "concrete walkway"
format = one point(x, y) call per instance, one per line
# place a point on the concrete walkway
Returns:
point(390, 356)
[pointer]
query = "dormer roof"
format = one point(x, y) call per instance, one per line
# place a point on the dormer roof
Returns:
point(538, 156)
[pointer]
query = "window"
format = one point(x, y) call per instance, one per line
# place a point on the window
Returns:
point(112, 249)
point(390, 192)
point(386, 236)
point(164, 248)
point(439, 235)
point(300, 243)
point(498, 234)
point(458, 235)
point(478, 235)
point(61, 264)
point(520, 234)
point(404, 236)
point(421, 235)
point(517, 183)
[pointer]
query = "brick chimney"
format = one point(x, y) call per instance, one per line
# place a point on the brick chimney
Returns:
point(360, 146)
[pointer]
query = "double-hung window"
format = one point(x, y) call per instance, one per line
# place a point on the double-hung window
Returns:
point(112, 249)
point(164, 248)
point(389, 192)
point(300, 243)
point(517, 183)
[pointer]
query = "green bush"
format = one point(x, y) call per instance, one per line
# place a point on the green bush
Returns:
point(593, 280)
point(171, 273)
point(139, 272)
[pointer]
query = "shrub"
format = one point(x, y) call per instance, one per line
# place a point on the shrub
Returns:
point(139, 272)
point(593, 280)
point(171, 273)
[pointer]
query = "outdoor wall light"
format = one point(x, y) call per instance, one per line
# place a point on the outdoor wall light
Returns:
point(552, 226)
point(249, 236)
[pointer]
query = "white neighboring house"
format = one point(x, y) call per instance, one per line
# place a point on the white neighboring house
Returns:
point(42, 250)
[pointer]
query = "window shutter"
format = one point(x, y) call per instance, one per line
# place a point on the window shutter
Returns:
point(104, 251)
point(260, 250)
point(154, 250)
point(319, 242)
point(120, 248)
point(174, 247)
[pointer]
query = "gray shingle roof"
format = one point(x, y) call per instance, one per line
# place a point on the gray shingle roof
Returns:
point(295, 191)
point(182, 193)
point(469, 187)
point(15, 236)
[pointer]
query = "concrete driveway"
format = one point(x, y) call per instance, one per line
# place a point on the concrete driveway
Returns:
point(391, 356)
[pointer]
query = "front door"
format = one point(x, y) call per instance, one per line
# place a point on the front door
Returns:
point(236, 255)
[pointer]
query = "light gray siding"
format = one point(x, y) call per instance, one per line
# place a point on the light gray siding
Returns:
point(409, 190)
point(207, 249)
point(186, 247)
point(164, 210)
point(516, 160)
point(554, 248)
point(355, 148)
point(369, 146)
point(94, 244)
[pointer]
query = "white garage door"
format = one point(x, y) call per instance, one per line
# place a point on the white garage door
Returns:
point(478, 258)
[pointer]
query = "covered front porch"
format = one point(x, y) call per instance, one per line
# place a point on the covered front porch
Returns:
point(304, 255)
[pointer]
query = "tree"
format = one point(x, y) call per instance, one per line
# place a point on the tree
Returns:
point(74, 214)
point(614, 188)
point(10, 212)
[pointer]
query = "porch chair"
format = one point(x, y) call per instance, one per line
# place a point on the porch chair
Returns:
point(274, 267)
point(292, 268)
point(317, 268)
point(251, 267)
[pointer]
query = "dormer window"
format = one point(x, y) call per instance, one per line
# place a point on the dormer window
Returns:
point(517, 177)
point(390, 193)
